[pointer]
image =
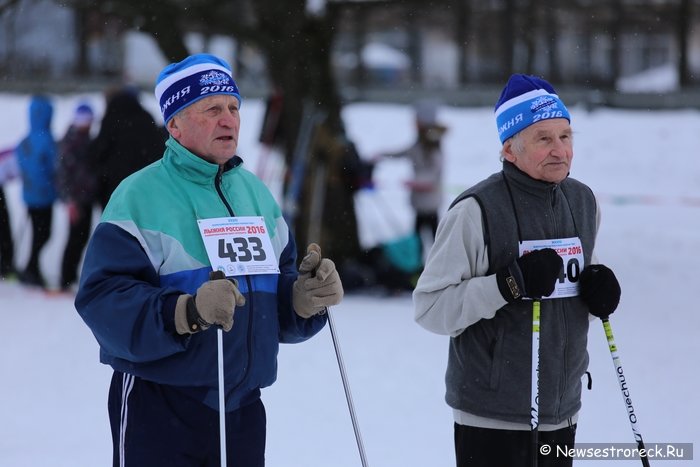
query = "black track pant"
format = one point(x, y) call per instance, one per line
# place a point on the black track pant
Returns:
point(484, 447)
point(77, 239)
point(7, 248)
point(155, 425)
point(41, 232)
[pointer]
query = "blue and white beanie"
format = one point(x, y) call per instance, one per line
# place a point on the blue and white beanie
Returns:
point(524, 101)
point(83, 116)
point(196, 77)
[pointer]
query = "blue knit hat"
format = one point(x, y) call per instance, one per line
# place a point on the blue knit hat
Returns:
point(83, 115)
point(196, 77)
point(526, 100)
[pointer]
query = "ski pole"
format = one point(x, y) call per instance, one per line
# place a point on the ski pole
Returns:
point(346, 387)
point(220, 363)
point(222, 398)
point(624, 388)
point(535, 383)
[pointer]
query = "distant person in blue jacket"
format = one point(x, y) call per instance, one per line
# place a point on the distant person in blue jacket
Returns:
point(36, 157)
point(147, 295)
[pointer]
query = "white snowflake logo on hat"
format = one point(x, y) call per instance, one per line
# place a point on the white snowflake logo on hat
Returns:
point(543, 103)
point(213, 78)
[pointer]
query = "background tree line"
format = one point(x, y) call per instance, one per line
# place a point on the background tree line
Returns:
point(492, 39)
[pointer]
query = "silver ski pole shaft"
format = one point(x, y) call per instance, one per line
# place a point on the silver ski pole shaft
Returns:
point(222, 401)
point(220, 367)
point(346, 386)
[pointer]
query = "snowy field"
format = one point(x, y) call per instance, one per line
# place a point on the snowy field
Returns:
point(643, 165)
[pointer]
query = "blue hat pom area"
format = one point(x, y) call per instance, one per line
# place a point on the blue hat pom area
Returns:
point(84, 110)
point(196, 77)
point(526, 100)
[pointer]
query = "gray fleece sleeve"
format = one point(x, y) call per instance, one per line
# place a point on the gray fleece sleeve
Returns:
point(453, 291)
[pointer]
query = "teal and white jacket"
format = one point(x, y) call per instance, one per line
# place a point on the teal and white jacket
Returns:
point(147, 250)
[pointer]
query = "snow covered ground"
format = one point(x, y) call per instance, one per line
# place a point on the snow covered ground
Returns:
point(644, 165)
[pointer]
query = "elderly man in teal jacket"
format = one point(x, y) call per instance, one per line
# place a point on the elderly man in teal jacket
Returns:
point(147, 295)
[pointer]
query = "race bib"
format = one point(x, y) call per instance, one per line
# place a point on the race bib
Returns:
point(238, 246)
point(571, 251)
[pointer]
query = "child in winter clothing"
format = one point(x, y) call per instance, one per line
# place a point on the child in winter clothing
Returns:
point(76, 181)
point(36, 156)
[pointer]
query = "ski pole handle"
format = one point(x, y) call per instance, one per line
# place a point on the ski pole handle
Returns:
point(624, 388)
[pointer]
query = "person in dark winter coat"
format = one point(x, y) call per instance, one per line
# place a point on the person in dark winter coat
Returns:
point(499, 250)
point(149, 293)
point(129, 139)
point(8, 170)
point(36, 157)
point(76, 181)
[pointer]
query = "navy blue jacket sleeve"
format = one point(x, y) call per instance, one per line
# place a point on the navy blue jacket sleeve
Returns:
point(121, 301)
point(293, 328)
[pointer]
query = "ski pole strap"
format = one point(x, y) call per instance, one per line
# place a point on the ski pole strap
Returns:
point(624, 388)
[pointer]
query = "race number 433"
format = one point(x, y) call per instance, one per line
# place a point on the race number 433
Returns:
point(238, 245)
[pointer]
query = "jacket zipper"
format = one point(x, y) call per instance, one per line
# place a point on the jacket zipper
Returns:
point(249, 343)
point(560, 314)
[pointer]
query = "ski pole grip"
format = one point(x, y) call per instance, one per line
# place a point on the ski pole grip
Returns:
point(214, 275)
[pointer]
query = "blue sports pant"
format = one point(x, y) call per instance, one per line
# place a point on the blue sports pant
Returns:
point(156, 425)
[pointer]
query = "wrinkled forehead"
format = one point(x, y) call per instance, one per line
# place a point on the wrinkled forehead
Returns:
point(550, 126)
point(222, 100)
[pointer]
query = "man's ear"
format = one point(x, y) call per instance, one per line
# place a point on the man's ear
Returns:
point(507, 151)
point(173, 128)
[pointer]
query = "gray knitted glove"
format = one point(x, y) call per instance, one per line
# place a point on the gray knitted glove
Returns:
point(318, 285)
point(214, 303)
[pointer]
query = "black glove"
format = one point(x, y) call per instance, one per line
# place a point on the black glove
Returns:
point(599, 288)
point(532, 275)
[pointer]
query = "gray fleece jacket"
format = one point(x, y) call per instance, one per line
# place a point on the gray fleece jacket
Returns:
point(489, 364)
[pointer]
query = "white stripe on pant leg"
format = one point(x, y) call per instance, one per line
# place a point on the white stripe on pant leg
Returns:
point(127, 385)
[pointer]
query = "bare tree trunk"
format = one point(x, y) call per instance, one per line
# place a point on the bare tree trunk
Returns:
point(360, 39)
point(81, 19)
point(462, 14)
point(162, 21)
point(685, 12)
point(299, 61)
point(414, 49)
point(529, 34)
point(508, 36)
point(616, 36)
point(552, 37)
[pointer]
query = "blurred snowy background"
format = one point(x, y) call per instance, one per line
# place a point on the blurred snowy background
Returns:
point(642, 164)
